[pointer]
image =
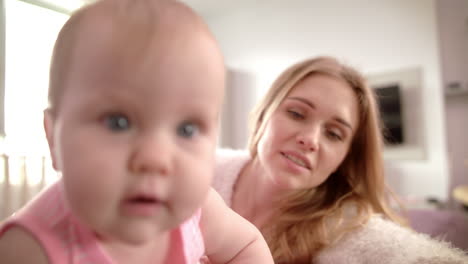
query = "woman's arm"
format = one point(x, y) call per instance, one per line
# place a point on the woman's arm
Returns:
point(384, 242)
point(229, 238)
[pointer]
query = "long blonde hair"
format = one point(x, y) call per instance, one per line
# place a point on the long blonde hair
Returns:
point(310, 220)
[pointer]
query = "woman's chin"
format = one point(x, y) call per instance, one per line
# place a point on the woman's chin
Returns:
point(288, 183)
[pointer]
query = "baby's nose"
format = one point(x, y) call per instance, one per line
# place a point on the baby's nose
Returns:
point(152, 155)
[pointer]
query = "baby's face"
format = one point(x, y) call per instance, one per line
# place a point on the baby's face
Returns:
point(136, 131)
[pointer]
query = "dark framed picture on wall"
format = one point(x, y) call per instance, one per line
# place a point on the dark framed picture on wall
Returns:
point(390, 106)
point(400, 97)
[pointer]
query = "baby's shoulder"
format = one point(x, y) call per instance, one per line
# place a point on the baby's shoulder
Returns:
point(19, 246)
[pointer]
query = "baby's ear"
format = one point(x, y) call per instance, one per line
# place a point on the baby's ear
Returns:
point(49, 131)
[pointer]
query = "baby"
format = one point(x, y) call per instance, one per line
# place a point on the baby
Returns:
point(136, 89)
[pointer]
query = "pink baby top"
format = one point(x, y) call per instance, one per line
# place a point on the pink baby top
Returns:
point(48, 219)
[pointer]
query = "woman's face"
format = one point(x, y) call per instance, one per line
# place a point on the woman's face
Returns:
point(309, 135)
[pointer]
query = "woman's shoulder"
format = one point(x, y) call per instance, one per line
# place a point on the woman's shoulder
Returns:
point(387, 242)
point(228, 164)
point(226, 155)
point(230, 161)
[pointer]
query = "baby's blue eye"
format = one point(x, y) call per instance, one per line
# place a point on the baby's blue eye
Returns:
point(187, 129)
point(117, 122)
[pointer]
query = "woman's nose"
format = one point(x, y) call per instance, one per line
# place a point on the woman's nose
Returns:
point(309, 139)
point(151, 155)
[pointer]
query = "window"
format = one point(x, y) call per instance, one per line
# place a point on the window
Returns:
point(30, 35)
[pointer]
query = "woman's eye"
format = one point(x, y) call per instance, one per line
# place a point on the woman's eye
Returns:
point(295, 115)
point(117, 122)
point(334, 136)
point(187, 129)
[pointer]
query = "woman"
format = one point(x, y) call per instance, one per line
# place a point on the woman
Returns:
point(313, 179)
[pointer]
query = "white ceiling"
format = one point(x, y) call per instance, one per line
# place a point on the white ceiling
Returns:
point(207, 7)
point(213, 7)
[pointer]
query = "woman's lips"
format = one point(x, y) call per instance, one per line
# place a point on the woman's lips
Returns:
point(298, 159)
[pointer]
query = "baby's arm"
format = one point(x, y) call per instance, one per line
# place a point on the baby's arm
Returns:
point(19, 247)
point(228, 237)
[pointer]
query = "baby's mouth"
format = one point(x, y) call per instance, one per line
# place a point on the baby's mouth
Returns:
point(142, 205)
point(143, 199)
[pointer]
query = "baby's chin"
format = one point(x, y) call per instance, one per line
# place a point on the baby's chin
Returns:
point(131, 235)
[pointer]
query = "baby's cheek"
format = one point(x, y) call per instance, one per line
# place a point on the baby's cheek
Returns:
point(191, 187)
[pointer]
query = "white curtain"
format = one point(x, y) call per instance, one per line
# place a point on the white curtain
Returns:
point(28, 30)
point(21, 178)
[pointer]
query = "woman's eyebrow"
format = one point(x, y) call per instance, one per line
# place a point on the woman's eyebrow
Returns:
point(303, 100)
point(343, 122)
point(312, 105)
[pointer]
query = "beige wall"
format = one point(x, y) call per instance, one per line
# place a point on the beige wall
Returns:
point(452, 17)
point(376, 36)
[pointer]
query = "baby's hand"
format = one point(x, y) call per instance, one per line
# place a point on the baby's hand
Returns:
point(228, 237)
point(204, 260)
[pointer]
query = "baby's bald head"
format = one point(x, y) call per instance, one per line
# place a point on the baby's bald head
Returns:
point(124, 34)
